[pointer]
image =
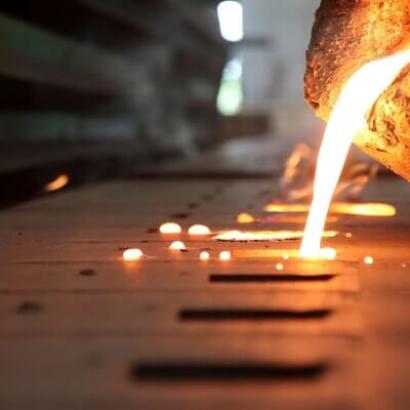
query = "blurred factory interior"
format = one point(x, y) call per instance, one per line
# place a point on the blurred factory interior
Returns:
point(131, 82)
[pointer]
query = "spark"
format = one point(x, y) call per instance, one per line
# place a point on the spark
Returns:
point(279, 266)
point(368, 260)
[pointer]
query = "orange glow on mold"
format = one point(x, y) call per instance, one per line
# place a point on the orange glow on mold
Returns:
point(265, 236)
point(364, 209)
point(347, 118)
point(286, 208)
point(340, 208)
point(133, 254)
point(177, 246)
point(294, 255)
point(60, 182)
point(292, 218)
point(199, 230)
point(170, 228)
point(245, 218)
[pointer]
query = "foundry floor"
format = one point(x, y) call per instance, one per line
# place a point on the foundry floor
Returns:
point(140, 335)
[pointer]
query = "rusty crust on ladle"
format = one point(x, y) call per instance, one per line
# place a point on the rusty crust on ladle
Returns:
point(346, 35)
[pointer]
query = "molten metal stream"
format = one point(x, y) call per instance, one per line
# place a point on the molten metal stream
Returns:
point(348, 117)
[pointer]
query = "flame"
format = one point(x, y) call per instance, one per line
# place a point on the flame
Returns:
point(341, 208)
point(301, 152)
point(348, 117)
point(58, 183)
point(296, 184)
point(356, 178)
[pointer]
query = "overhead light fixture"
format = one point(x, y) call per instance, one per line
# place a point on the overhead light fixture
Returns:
point(230, 15)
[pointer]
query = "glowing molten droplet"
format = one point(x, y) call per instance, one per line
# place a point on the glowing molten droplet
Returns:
point(204, 256)
point(133, 254)
point(368, 260)
point(245, 218)
point(199, 230)
point(285, 256)
point(347, 118)
point(170, 228)
point(60, 182)
point(279, 266)
point(177, 246)
point(225, 256)
point(348, 235)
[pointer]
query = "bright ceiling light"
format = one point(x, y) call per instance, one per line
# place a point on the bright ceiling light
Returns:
point(230, 14)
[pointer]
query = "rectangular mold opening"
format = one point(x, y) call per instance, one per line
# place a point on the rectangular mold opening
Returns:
point(250, 314)
point(228, 371)
point(268, 278)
